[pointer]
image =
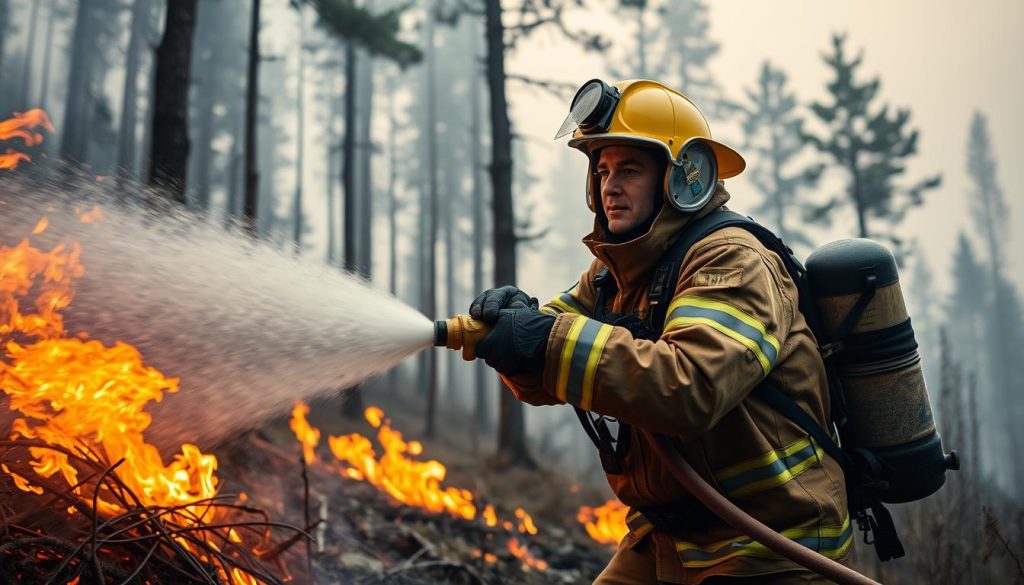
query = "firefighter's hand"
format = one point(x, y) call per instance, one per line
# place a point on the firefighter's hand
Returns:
point(490, 302)
point(518, 342)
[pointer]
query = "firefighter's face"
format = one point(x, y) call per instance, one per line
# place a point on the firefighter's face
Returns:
point(629, 179)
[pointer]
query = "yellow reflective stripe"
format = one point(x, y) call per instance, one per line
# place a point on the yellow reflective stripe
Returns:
point(550, 310)
point(769, 470)
point(567, 348)
point(781, 478)
point(706, 303)
point(829, 541)
point(587, 396)
point(761, 460)
point(728, 320)
point(750, 344)
point(561, 306)
point(638, 524)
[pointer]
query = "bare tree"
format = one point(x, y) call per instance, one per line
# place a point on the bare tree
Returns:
point(169, 160)
point(250, 204)
point(126, 143)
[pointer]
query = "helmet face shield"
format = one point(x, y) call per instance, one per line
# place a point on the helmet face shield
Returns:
point(591, 110)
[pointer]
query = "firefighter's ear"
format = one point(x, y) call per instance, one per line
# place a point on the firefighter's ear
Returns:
point(693, 177)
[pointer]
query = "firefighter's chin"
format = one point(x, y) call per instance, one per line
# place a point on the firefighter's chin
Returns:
point(621, 220)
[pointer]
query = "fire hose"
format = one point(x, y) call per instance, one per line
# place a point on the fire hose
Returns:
point(463, 332)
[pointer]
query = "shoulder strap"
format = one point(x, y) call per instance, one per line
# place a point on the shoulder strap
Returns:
point(666, 273)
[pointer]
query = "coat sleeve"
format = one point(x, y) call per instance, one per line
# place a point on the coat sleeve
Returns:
point(577, 300)
point(725, 327)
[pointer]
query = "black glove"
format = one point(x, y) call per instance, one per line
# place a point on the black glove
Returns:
point(518, 342)
point(487, 305)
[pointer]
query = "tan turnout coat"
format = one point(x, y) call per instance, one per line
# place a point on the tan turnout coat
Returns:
point(733, 320)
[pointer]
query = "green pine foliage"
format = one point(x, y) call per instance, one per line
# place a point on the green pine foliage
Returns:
point(773, 131)
point(378, 33)
point(871, 143)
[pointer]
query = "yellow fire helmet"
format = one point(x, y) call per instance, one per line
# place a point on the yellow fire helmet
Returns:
point(651, 114)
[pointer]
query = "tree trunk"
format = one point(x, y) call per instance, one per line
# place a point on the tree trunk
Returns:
point(641, 40)
point(73, 139)
point(430, 268)
point(332, 176)
point(204, 137)
point(453, 190)
point(126, 143)
point(300, 134)
point(392, 198)
point(169, 161)
point(481, 403)
point(348, 156)
point(511, 425)
point(364, 87)
point(392, 216)
point(30, 53)
point(353, 405)
point(44, 84)
point(5, 17)
point(250, 207)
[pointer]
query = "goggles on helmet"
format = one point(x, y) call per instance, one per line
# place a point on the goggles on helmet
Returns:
point(591, 110)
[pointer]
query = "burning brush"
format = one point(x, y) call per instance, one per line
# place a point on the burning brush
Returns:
point(86, 499)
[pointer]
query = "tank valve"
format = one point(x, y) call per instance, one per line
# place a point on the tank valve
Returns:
point(460, 332)
point(952, 461)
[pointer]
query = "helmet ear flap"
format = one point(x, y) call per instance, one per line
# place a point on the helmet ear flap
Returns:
point(593, 190)
point(692, 177)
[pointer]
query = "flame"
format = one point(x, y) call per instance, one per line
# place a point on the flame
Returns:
point(308, 436)
point(606, 523)
point(490, 518)
point(72, 392)
point(94, 215)
point(526, 525)
point(413, 483)
point(23, 126)
point(488, 557)
point(521, 552)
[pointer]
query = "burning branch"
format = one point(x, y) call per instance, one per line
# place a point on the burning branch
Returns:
point(148, 542)
point(121, 512)
point(25, 128)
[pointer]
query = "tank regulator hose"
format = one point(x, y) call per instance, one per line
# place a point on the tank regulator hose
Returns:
point(748, 525)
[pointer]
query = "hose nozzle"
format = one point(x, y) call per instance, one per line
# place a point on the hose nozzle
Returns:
point(460, 332)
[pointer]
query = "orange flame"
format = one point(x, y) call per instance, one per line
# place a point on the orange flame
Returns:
point(73, 392)
point(606, 523)
point(22, 126)
point(526, 525)
point(413, 483)
point(308, 436)
point(521, 552)
point(94, 215)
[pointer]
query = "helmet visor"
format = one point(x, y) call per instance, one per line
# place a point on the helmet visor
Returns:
point(591, 108)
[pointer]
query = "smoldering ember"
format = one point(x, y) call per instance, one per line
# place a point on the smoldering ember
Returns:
point(303, 291)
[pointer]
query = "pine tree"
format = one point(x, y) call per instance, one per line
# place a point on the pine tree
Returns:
point(869, 143)
point(774, 133)
point(686, 50)
point(1001, 309)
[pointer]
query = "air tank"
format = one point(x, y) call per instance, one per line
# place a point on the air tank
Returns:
point(889, 427)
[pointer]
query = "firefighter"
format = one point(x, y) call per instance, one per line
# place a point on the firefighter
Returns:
point(733, 321)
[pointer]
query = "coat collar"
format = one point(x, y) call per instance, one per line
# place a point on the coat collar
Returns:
point(630, 263)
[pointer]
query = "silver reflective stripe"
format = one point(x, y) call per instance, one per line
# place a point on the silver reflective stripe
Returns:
point(580, 356)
